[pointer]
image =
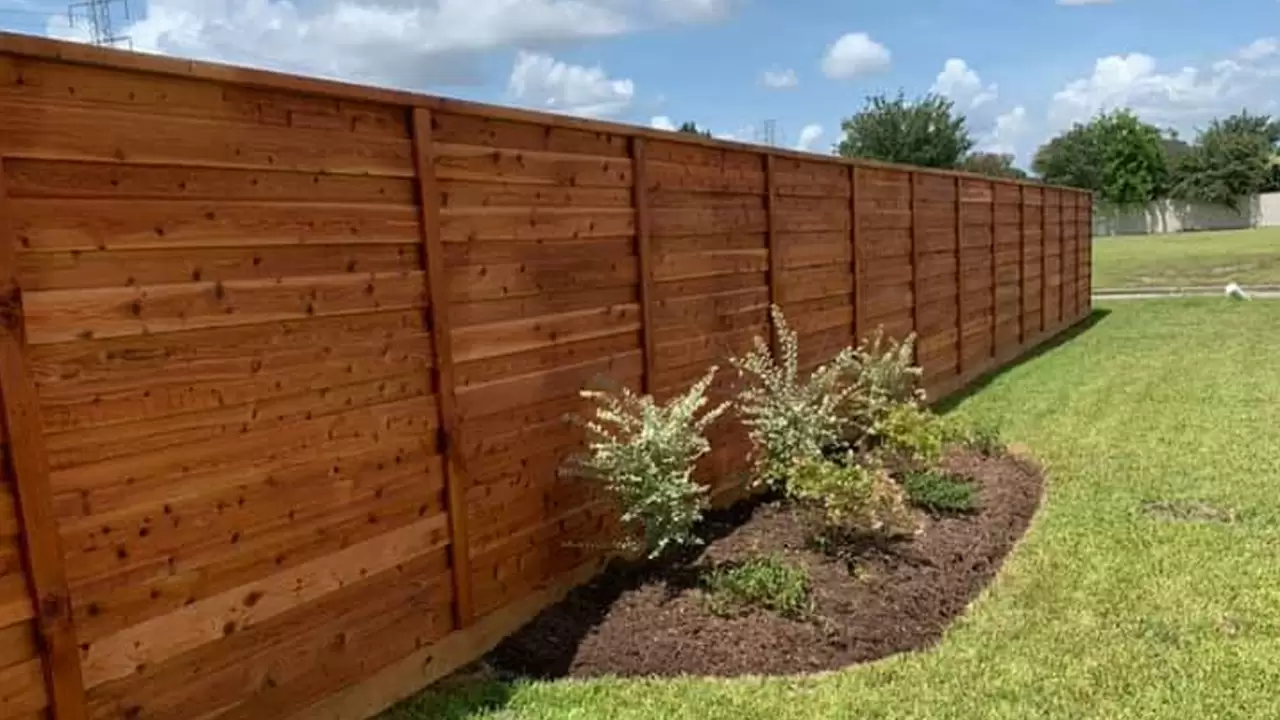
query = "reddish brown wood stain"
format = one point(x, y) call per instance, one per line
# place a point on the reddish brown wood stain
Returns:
point(285, 389)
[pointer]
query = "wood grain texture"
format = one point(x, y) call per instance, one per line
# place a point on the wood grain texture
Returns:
point(442, 333)
point(644, 251)
point(775, 251)
point(300, 354)
point(29, 468)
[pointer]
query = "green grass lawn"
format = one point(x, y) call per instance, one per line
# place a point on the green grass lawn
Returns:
point(1104, 611)
point(1248, 257)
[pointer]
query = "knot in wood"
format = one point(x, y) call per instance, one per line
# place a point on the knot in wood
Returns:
point(11, 308)
point(51, 606)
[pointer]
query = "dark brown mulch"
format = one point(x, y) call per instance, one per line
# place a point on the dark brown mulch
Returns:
point(638, 619)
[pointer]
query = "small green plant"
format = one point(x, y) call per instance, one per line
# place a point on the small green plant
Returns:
point(940, 492)
point(855, 499)
point(644, 454)
point(769, 582)
point(985, 439)
point(913, 434)
point(791, 417)
point(886, 377)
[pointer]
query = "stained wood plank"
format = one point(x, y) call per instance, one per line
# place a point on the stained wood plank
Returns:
point(644, 252)
point(535, 223)
point(40, 178)
point(100, 135)
point(427, 154)
point(455, 128)
point(156, 640)
point(28, 466)
point(775, 251)
point(528, 167)
point(86, 225)
point(856, 268)
point(64, 315)
point(86, 269)
point(457, 194)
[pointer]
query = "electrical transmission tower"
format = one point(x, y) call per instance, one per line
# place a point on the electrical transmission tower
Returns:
point(770, 132)
point(98, 17)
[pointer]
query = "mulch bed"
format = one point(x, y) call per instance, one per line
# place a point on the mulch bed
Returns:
point(646, 619)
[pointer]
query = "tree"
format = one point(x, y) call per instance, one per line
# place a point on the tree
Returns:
point(1243, 123)
point(997, 165)
point(692, 128)
point(924, 132)
point(1230, 161)
point(1116, 155)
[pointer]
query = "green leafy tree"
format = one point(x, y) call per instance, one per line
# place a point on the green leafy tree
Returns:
point(925, 132)
point(693, 129)
point(997, 165)
point(1116, 155)
point(1231, 161)
point(1244, 123)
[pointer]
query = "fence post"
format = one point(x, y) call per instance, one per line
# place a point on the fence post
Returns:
point(1088, 223)
point(1044, 259)
point(915, 264)
point(995, 280)
point(1022, 265)
point(856, 266)
point(959, 276)
point(644, 252)
point(442, 343)
point(1062, 258)
point(775, 259)
point(29, 467)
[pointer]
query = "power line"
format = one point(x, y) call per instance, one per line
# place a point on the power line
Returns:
point(97, 16)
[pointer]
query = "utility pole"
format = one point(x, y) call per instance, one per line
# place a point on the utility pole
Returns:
point(97, 16)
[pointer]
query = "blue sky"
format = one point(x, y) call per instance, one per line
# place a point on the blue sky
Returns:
point(1021, 70)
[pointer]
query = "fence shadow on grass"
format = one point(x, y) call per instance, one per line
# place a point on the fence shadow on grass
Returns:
point(1095, 317)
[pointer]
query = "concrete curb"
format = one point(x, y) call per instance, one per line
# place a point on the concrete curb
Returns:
point(1181, 290)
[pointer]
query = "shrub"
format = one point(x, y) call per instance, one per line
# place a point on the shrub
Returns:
point(984, 439)
point(855, 499)
point(765, 581)
point(940, 492)
point(791, 417)
point(644, 453)
point(912, 434)
point(886, 377)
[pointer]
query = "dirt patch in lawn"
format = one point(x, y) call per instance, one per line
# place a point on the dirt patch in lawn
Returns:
point(653, 619)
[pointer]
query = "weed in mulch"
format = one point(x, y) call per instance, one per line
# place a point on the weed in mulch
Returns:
point(940, 492)
point(769, 582)
point(866, 600)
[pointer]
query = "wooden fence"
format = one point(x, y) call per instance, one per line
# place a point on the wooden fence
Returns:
point(284, 362)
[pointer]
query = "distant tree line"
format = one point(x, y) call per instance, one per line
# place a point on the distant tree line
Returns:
point(1123, 160)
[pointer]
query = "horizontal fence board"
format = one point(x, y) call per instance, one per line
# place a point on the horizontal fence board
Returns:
point(241, 372)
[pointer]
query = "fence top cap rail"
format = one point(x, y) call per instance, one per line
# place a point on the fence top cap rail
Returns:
point(82, 54)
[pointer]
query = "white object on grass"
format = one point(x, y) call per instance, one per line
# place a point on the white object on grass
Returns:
point(1235, 291)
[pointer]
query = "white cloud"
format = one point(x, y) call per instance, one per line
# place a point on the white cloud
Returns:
point(780, 79)
point(963, 86)
point(403, 43)
point(809, 135)
point(549, 84)
point(1008, 133)
point(661, 122)
point(855, 54)
point(1259, 49)
point(1179, 98)
point(694, 10)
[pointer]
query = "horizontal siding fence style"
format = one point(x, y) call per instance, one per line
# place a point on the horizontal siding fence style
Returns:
point(284, 362)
